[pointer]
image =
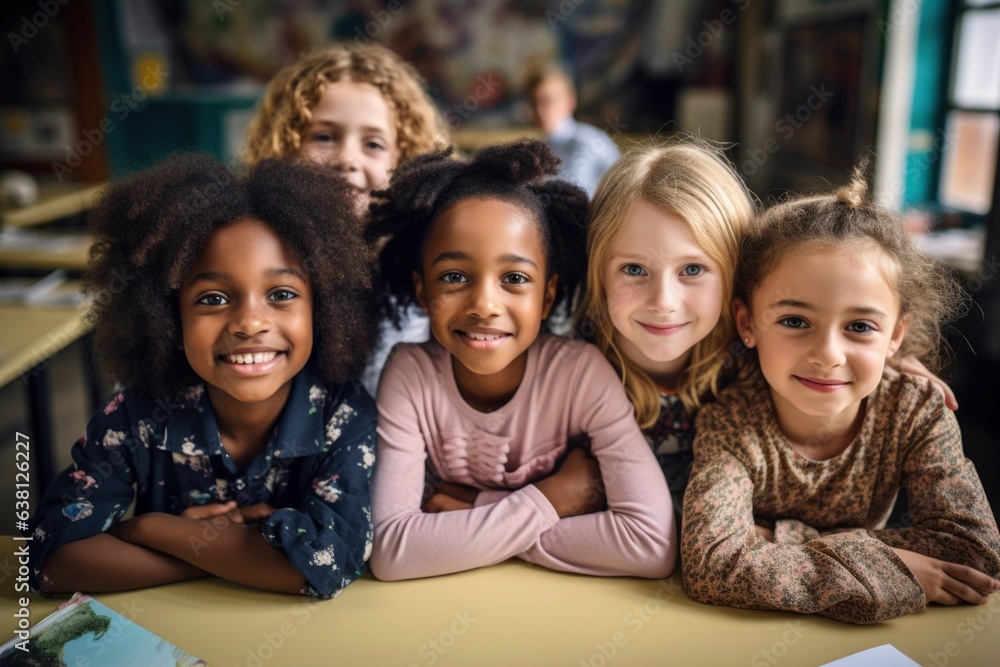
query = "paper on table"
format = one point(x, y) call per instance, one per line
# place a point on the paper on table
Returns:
point(885, 655)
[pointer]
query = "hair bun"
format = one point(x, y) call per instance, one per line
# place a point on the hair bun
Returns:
point(855, 193)
point(518, 161)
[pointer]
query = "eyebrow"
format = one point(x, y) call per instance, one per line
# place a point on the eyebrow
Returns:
point(208, 276)
point(365, 128)
point(628, 256)
point(457, 255)
point(802, 305)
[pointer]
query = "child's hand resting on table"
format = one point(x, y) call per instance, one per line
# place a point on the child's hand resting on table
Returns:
point(948, 583)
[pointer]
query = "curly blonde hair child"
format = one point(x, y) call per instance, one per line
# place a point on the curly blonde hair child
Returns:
point(284, 113)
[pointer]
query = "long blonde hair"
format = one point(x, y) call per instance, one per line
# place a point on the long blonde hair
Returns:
point(285, 110)
point(688, 178)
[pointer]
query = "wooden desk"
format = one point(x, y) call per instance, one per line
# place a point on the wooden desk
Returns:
point(29, 337)
point(70, 252)
point(56, 200)
point(514, 614)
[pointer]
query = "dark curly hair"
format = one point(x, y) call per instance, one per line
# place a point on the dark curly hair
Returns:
point(149, 228)
point(514, 172)
point(928, 290)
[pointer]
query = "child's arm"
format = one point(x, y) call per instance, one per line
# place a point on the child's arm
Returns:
point(952, 521)
point(914, 366)
point(69, 552)
point(411, 543)
point(102, 563)
point(636, 535)
point(217, 546)
point(848, 576)
point(317, 548)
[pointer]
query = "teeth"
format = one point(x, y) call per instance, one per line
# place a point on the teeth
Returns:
point(482, 336)
point(255, 358)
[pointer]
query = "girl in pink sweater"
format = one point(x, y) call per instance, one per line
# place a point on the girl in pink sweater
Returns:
point(496, 440)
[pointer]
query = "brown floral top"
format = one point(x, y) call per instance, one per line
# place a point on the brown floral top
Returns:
point(832, 551)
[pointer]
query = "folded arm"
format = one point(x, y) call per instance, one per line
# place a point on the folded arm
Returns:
point(848, 576)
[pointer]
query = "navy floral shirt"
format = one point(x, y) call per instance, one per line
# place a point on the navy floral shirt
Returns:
point(167, 456)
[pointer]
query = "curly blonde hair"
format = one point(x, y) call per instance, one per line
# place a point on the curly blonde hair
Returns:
point(285, 110)
point(686, 177)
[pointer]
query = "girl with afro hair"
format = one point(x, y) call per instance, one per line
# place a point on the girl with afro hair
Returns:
point(235, 325)
point(517, 429)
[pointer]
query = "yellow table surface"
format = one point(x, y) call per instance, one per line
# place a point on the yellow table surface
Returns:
point(514, 614)
point(30, 335)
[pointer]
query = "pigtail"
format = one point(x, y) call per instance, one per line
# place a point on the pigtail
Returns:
point(565, 208)
point(517, 162)
point(400, 217)
point(512, 171)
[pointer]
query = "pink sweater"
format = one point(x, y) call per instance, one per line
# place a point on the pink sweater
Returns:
point(569, 390)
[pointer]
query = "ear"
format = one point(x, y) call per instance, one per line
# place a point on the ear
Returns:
point(897, 335)
point(744, 322)
point(550, 296)
point(418, 287)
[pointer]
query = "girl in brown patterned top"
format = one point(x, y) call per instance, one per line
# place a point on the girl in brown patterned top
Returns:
point(798, 464)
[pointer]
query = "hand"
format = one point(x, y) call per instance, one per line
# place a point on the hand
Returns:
point(576, 487)
point(913, 366)
point(212, 510)
point(764, 532)
point(948, 583)
point(449, 497)
point(222, 514)
point(256, 513)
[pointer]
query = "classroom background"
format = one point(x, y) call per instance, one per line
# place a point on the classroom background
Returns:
point(798, 89)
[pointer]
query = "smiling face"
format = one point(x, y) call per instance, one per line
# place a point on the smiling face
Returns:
point(246, 317)
point(352, 127)
point(824, 321)
point(483, 283)
point(664, 292)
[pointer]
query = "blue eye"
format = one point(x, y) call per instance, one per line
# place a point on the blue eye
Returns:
point(634, 270)
point(453, 277)
point(860, 327)
point(692, 270)
point(793, 322)
point(212, 300)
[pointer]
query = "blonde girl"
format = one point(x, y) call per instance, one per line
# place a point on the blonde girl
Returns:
point(662, 246)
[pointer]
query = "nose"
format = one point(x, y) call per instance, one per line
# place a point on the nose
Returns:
point(349, 156)
point(485, 302)
point(664, 295)
point(249, 319)
point(828, 351)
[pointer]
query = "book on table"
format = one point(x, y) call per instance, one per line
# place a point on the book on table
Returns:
point(85, 632)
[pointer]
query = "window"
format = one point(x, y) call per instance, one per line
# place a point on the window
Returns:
point(972, 117)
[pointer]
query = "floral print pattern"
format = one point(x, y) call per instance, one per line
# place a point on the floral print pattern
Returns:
point(832, 553)
point(167, 455)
